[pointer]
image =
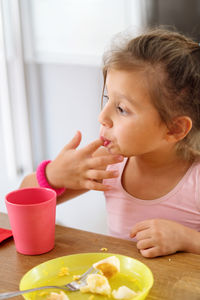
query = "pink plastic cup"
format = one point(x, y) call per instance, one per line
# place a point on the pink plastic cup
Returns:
point(31, 213)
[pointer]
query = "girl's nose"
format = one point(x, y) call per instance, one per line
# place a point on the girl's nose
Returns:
point(104, 118)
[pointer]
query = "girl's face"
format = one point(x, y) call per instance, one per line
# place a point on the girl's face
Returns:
point(130, 124)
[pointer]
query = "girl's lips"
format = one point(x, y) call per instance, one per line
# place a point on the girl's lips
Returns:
point(106, 142)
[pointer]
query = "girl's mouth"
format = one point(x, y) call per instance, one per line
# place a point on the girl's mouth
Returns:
point(106, 142)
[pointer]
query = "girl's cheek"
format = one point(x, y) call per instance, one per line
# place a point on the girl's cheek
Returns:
point(121, 132)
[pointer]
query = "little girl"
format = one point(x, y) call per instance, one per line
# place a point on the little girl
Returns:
point(152, 120)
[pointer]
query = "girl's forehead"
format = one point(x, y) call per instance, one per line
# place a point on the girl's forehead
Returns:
point(126, 75)
point(130, 85)
point(126, 80)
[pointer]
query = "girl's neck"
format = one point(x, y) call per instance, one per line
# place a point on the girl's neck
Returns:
point(157, 163)
point(146, 177)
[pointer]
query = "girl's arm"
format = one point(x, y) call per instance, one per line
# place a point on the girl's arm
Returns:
point(158, 237)
point(31, 181)
point(78, 170)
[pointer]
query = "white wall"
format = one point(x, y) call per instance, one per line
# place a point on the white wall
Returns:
point(70, 100)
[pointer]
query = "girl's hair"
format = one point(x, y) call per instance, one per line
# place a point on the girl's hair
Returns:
point(171, 63)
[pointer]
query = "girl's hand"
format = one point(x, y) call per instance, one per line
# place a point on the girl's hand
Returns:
point(159, 237)
point(79, 169)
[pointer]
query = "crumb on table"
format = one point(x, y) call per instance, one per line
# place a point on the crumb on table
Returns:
point(104, 249)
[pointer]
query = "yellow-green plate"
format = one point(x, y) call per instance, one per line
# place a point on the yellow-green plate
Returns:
point(133, 274)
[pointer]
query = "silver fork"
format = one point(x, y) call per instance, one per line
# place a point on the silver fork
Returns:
point(71, 286)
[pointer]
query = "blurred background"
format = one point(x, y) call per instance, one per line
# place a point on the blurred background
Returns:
point(51, 81)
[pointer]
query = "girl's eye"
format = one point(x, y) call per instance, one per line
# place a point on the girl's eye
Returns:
point(121, 110)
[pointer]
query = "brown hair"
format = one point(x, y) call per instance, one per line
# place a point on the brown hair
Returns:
point(174, 61)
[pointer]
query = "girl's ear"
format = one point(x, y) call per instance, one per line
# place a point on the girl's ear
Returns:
point(179, 128)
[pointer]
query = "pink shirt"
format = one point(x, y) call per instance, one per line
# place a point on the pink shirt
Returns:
point(182, 204)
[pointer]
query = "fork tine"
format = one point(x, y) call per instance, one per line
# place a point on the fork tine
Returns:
point(71, 287)
point(91, 270)
point(76, 284)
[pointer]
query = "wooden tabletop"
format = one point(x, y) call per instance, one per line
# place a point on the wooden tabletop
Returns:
point(176, 277)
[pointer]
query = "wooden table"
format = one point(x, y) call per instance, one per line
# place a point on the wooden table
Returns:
point(177, 277)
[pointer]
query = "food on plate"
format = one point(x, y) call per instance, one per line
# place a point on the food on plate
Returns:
point(97, 284)
point(123, 292)
point(56, 296)
point(108, 266)
point(43, 293)
point(63, 272)
point(76, 277)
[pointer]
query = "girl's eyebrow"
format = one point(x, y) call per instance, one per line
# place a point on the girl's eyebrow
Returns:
point(129, 99)
point(119, 95)
point(122, 96)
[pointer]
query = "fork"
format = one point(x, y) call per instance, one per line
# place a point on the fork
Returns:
point(71, 286)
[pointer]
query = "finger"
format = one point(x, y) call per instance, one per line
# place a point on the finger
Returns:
point(145, 244)
point(151, 252)
point(92, 147)
point(93, 185)
point(139, 227)
point(75, 142)
point(143, 234)
point(103, 161)
point(101, 174)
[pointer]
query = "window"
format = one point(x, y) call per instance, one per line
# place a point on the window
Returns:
point(16, 156)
